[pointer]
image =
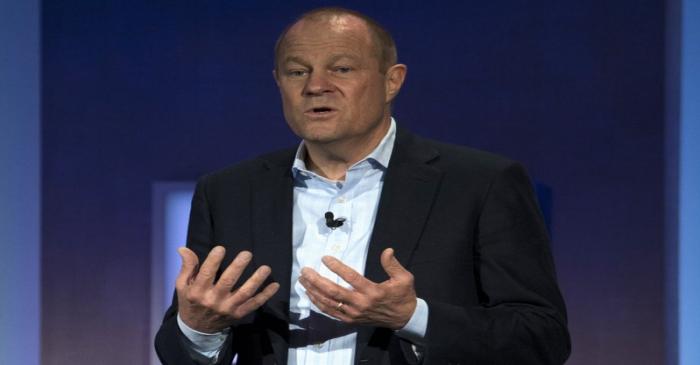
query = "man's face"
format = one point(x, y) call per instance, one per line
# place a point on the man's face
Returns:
point(329, 77)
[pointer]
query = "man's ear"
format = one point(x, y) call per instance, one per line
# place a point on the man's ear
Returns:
point(395, 76)
point(274, 76)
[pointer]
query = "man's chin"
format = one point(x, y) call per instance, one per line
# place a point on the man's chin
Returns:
point(320, 139)
point(319, 134)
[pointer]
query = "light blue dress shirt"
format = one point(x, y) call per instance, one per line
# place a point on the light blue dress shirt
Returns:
point(356, 199)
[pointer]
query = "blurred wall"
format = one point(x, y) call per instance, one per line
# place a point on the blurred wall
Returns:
point(136, 92)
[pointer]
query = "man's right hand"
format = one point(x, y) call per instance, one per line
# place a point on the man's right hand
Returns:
point(209, 305)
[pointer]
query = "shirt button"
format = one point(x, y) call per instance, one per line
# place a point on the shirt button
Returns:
point(335, 248)
point(341, 199)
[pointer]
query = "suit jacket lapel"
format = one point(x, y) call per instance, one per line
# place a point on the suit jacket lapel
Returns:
point(271, 207)
point(410, 186)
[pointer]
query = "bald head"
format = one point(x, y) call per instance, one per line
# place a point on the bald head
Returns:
point(340, 19)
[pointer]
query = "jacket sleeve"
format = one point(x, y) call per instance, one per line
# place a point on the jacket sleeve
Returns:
point(169, 343)
point(521, 318)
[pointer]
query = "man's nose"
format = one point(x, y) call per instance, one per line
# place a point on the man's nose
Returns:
point(318, 83)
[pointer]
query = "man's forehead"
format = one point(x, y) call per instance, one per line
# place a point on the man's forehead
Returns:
point(343, 22)
point(328, 34)
point(329, 25)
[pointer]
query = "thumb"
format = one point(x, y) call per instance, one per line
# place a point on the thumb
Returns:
point(391, 265)
point(190, 261)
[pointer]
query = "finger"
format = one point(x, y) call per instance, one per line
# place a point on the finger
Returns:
point(352, 277)
point(188, 268)
point(311, 280)
point(233, 272)
point(391, 265)
point(207, 272)
point(330, 307)
point(257, 301)
point(250, 287)
point(333, 306)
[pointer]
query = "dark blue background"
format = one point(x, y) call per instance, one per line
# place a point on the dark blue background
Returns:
point(142, 91)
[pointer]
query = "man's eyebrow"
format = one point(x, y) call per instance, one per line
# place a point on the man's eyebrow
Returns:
point(333, 58)
point(339, 56)
point(294, 59)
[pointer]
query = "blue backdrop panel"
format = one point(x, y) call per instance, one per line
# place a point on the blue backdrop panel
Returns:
point(19, 183)
point(689, 189)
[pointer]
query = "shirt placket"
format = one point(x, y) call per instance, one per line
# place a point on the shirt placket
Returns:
point(338, 238)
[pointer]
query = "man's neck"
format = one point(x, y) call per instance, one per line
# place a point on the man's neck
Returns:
point(332, 160)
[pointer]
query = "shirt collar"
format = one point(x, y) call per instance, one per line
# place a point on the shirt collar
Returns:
point(378, 158)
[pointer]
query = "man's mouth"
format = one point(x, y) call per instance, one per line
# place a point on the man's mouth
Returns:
point(320, 112)
point(322, 109)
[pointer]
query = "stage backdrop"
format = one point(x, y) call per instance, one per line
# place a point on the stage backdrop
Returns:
point(142, 91)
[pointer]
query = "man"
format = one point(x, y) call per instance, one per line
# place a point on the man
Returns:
point(366, 244)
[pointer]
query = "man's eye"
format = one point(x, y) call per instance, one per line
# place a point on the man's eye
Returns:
point(343, 69)
point(296, 73)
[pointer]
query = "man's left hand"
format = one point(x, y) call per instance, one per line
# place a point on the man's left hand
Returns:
point(387, 304)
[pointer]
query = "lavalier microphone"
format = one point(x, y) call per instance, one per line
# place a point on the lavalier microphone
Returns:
point(333, 223)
